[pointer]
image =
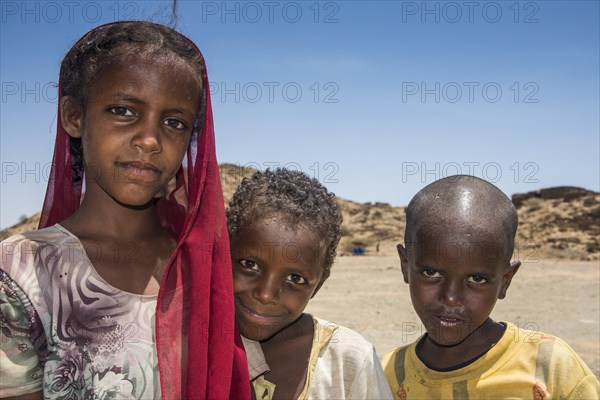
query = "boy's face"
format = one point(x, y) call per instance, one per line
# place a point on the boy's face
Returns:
point(455, 279)
point(276, 271)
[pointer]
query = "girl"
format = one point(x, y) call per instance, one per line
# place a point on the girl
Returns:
point(133, 278)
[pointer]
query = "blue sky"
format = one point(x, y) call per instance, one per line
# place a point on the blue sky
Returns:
point(374, 98)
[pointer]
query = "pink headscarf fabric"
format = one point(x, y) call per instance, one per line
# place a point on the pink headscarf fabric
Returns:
point(200, 353)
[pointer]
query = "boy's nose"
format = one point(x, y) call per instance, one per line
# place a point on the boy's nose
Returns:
point(267, 291)
point(451, 294)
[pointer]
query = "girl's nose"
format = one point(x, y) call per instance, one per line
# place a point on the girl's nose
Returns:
point(267, 290)
point(147, 137)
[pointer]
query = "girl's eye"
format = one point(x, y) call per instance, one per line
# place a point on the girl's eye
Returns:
point(476, 279)
point(295, 278)
point(249, 264)
point(431, 273)
point(121, 111)
point(174, 123)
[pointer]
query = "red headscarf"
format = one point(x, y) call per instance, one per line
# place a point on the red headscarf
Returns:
point(200, 353)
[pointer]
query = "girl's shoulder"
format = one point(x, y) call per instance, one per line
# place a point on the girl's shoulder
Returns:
point(35, 253)
point(51, 235)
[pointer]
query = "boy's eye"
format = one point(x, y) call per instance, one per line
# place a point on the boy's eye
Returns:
point(121, 111)
point(431, 273)
point(295, 278)
point(249, 264)
point(174, 123)
point(476, 279)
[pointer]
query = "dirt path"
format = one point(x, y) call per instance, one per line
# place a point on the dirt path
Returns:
point(560, 298)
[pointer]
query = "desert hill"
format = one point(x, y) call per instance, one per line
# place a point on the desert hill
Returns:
point(555, 223)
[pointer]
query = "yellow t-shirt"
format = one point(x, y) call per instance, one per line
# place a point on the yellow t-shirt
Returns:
point(522, 365)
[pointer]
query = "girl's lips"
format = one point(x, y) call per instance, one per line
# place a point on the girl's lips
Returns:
point(139, 169)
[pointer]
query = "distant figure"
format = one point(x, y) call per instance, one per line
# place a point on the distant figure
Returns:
point(284, 229)
point(459, 240)
point(377, 247)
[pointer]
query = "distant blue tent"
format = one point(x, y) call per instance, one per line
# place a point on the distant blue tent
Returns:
point(358, 251)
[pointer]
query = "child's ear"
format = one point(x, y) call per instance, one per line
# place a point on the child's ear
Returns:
point(507, 277)
point(71, 116)
point(403, 261)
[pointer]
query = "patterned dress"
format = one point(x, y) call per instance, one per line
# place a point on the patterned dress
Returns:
point(65, 330)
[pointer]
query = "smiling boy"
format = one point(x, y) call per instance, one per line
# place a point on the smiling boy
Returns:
point(459, 240)
point(284, 229)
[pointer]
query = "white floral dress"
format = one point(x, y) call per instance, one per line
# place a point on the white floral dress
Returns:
point(66, 331)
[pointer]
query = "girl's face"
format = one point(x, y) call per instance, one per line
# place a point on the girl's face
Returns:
point(136, 128)
point(276, 270)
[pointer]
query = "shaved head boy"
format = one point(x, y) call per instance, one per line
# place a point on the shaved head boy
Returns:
point(459, 240)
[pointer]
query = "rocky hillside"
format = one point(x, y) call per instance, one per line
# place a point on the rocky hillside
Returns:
point(25, 225)
point(555, 223)
point(563, 222)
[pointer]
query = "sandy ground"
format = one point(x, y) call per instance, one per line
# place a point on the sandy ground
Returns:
point(367, 294)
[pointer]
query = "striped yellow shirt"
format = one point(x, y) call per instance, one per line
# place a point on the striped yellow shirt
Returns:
point(522, 365)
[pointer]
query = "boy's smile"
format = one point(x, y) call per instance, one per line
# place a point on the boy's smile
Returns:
point(276, 271)
point(455, 278)
point(135, 128)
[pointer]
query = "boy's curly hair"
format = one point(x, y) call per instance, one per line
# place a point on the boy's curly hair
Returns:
point(293, 196)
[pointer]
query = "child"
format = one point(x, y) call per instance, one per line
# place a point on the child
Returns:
point(459, 239)
point(284, 228)
point(129, 280)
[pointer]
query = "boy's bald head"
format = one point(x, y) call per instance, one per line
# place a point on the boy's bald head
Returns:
point(463, 204)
